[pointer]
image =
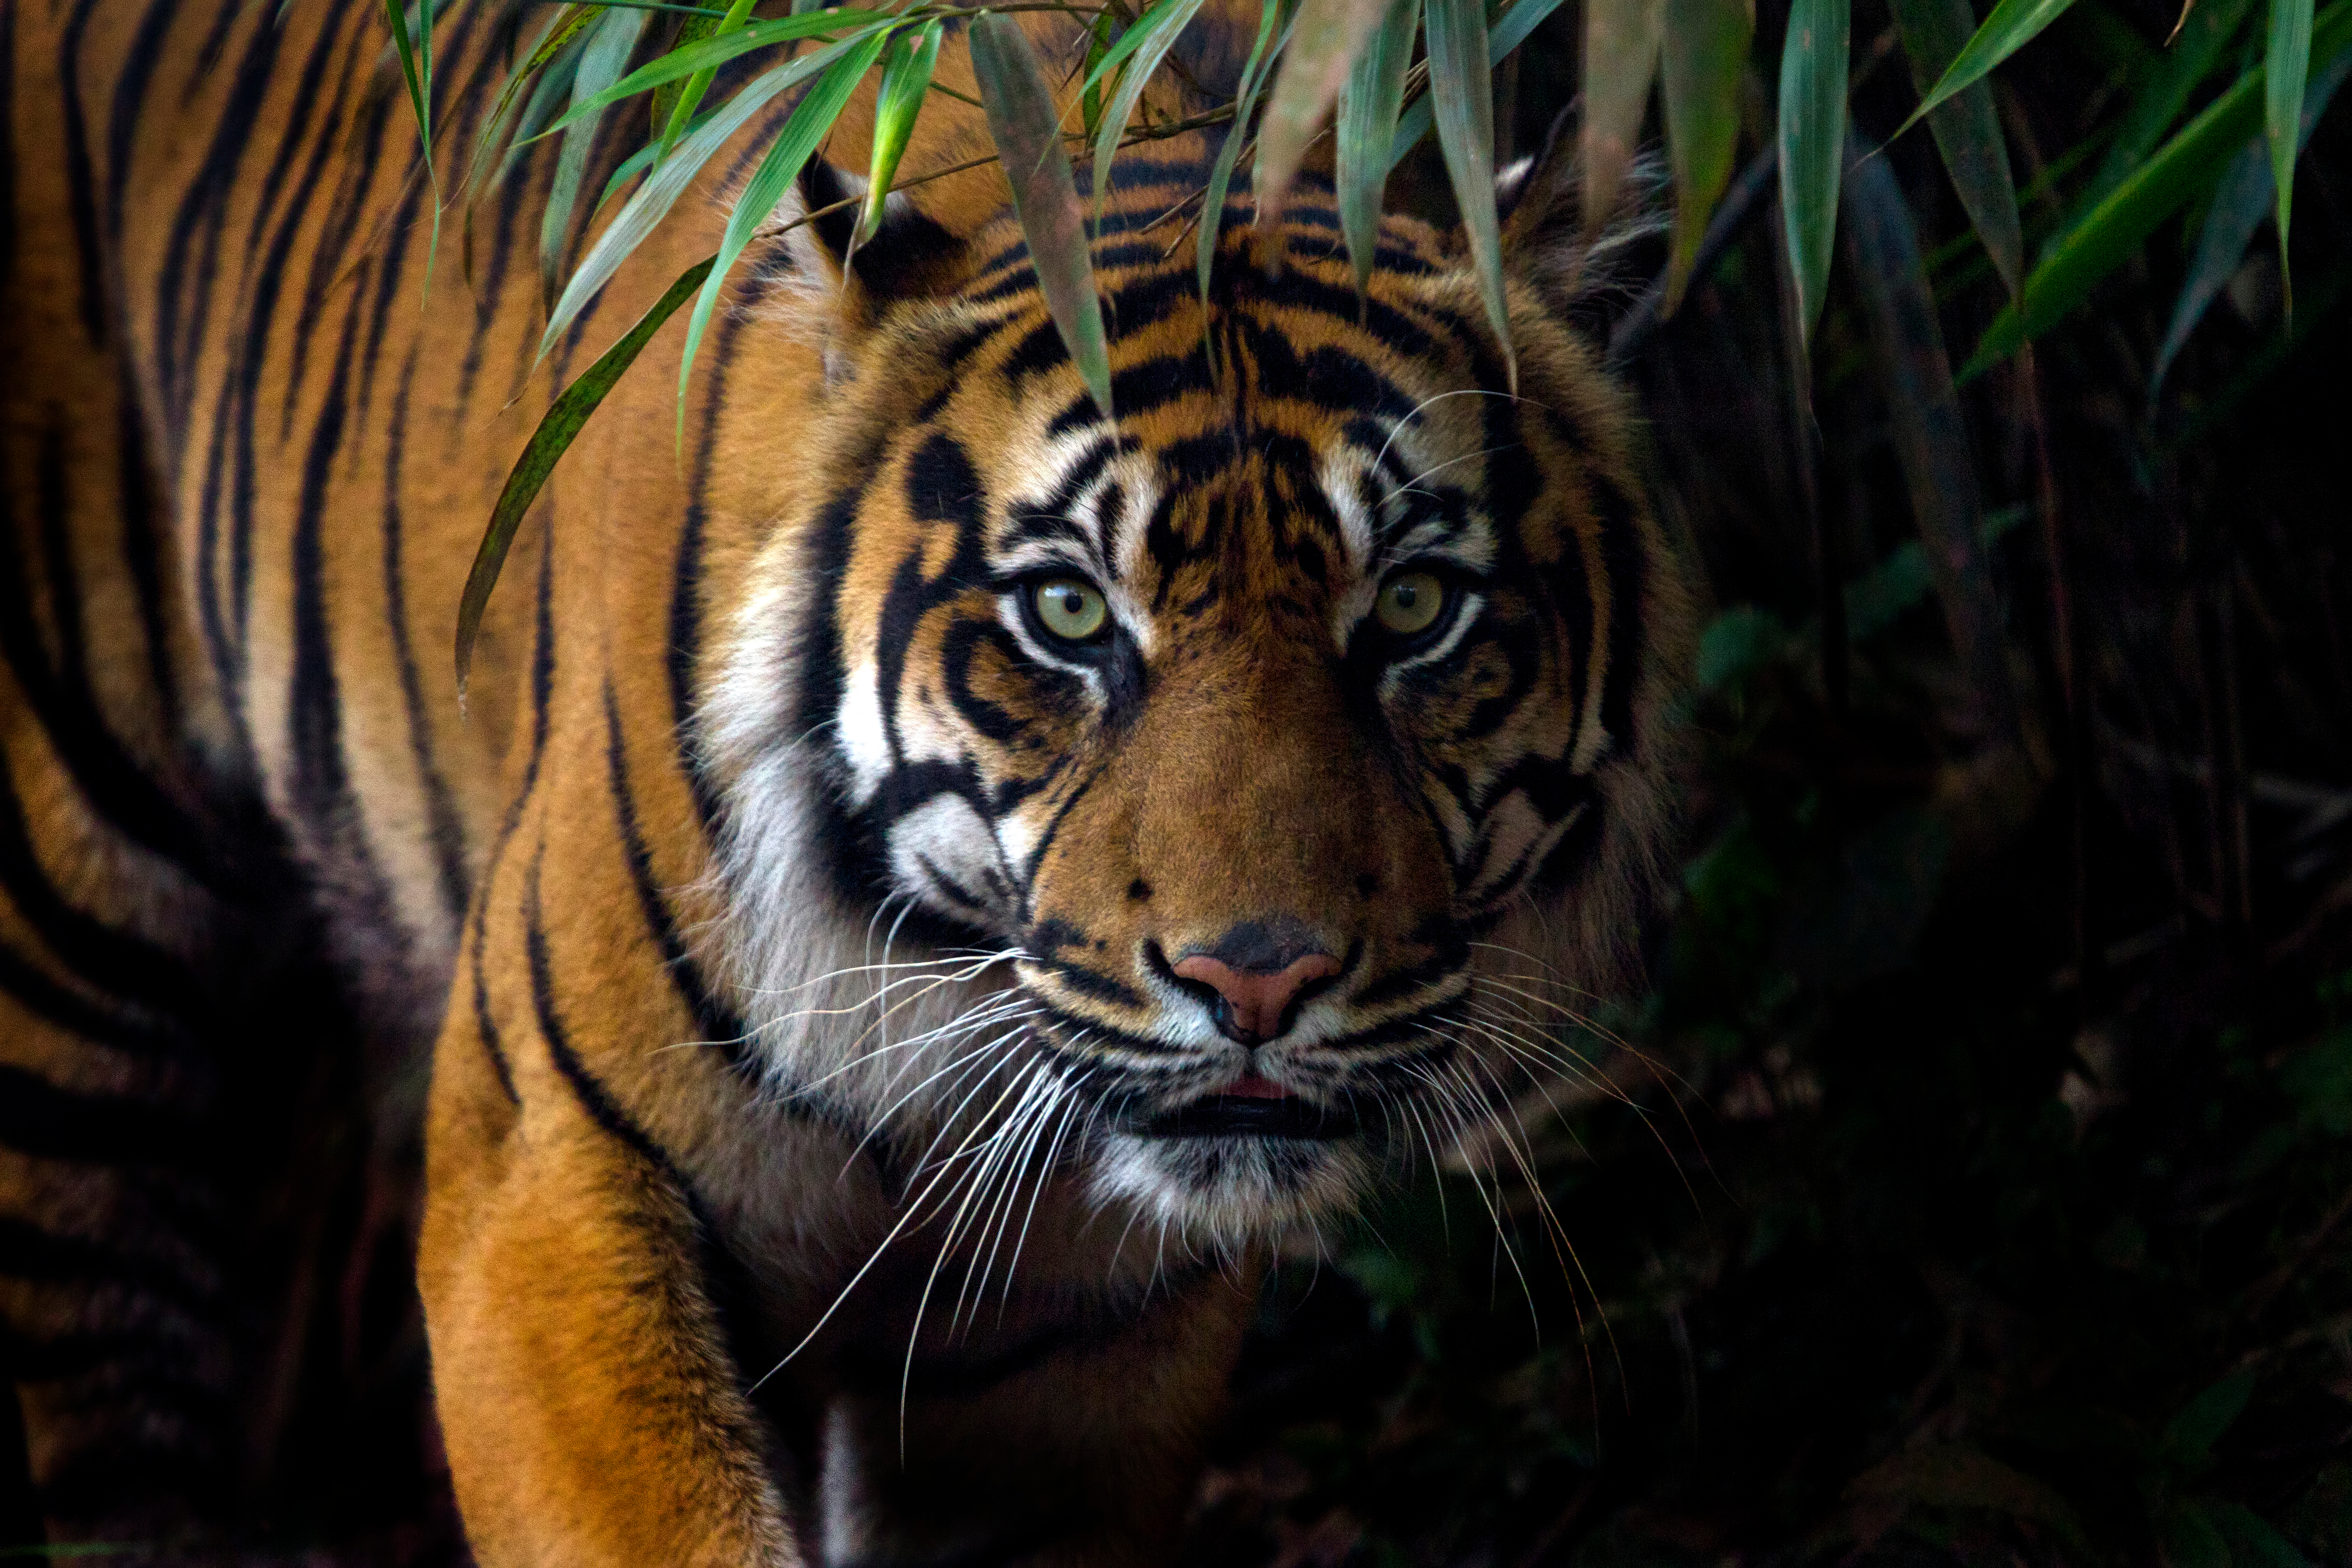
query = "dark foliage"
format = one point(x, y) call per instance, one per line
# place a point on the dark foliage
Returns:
point(1973, 1184)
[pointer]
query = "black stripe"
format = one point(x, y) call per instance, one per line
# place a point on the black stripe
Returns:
point(62, 697)
point(107, 959)
point(542, 683)
point(132, 1033)
point(40, 1257)
point(81, 184)
point(440, 806)
point(40, 1118)
point(593, 1097)
point(713, 1018)
point(1620, 557)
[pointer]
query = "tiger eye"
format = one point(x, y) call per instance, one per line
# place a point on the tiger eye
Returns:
point(1410, 602)
point(1072, 610)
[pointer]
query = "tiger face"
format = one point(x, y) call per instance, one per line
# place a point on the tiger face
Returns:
point(1261, 766)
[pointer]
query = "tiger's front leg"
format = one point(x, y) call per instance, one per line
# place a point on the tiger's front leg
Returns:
point(592, 1410)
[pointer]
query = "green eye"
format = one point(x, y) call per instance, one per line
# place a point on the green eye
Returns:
point(1410, 602)
point(1072, 610)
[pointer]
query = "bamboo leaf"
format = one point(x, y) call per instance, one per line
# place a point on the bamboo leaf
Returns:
point(2239, 202)
point(1706, 52)
point(1508, 34)
point(2012, 24)
point(2197, 44)
point(905, 78)
point(1812, 146)
point(1156, 35)
point(1027, 130)
point(1967, 131)
point(600, 64)
point(1142, 31)
point(1461, 84)
point(416, 69)
point(674, 120)
point(1621, 56)
point(1324, 42)
point(845, 64)
point(2286, 65)
point(1090, 104)
point(561, 29)
point(690, 31)
point(652, 201)
point(2185, 166)
point(1220, 173)
point(1930, 438)
point(557, 426)
point(716, 51)
point(1368, 103)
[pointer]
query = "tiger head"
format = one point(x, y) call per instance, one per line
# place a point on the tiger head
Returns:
point(1240, 786)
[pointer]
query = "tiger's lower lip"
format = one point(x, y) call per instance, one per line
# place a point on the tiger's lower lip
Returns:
point(1225, 1116)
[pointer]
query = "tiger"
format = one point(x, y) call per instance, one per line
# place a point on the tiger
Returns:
point(932, 881)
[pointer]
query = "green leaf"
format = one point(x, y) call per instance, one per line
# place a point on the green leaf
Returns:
point(2236, 209)
point(1967, 131)
point(845, 64)
point(2163, 92)
point(716, 51)
point(601, 63)
point(687, 97)
point(2189, 1436)
point(652, 201)
point(1368, 103)
point(561, 29)
point(2231, 219)
point(1812, 146)
point(1930, 438)
point(557, 428)
point(2286, 65)
point(2012, 24)
point(1158, 33)
point(416, 69)
point(2254, 1543)
point(906, 79)
point(664, 107)
point(1621, 56)
point(1521, 19)
point(1220, 173)
point(1706, 53)
point(1027, 130)
point(2112, 231)
point(1090, 104)
point(1460, 83)
point(1324, 43)
point(1145, 29)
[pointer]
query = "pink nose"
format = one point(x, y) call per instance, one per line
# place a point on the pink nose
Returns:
point(1256, 1000)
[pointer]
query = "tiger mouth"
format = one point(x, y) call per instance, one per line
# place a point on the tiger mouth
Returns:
point(1251, 1116)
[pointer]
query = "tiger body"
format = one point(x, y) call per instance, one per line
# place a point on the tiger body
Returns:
point(869, 1045)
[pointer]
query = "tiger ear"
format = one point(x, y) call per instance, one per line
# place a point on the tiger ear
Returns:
point(909, 254)
point(1582, 273)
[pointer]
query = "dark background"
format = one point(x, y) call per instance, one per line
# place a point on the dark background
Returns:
point(1984, 1196)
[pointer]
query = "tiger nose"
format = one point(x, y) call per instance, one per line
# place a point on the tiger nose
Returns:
point(1257, 974)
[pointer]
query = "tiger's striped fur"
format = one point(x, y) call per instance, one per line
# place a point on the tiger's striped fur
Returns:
point(826, 1160)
